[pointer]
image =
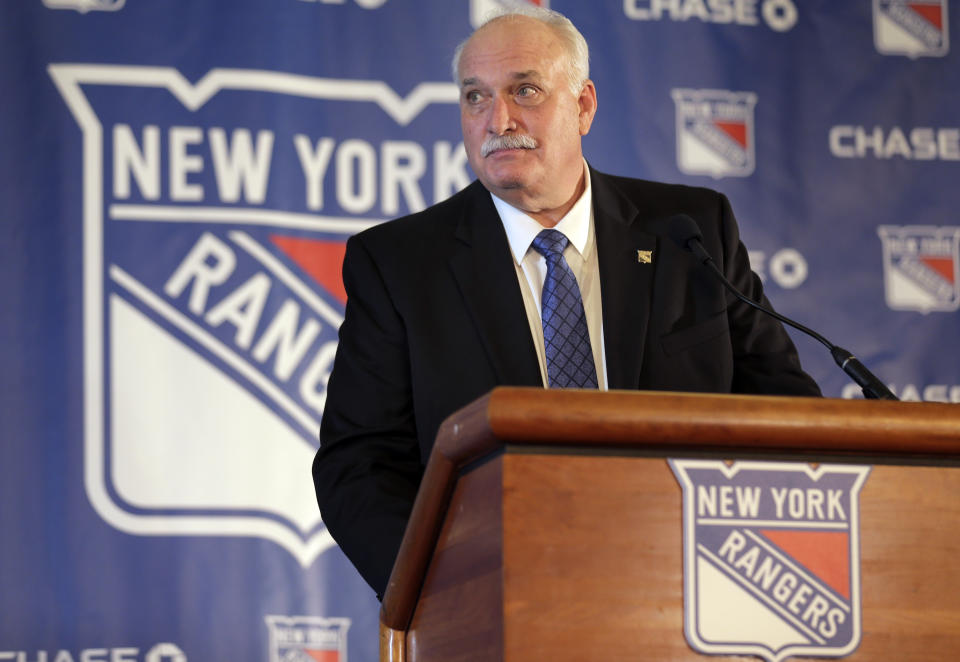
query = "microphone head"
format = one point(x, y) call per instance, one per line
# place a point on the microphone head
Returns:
point(682, 230)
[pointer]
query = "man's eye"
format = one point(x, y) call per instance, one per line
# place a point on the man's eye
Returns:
point(526, 91)
point(473, 96)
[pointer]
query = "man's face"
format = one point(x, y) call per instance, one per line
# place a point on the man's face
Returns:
point(514, 91)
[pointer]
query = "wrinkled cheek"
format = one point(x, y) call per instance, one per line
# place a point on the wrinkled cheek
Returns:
point(473, 158)
point(472, 141)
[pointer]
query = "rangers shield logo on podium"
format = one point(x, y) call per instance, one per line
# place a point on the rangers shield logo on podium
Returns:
point(771, 557)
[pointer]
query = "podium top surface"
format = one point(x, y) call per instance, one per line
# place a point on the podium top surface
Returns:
point(694, 421)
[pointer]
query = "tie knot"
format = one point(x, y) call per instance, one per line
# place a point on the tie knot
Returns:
point(550, 243)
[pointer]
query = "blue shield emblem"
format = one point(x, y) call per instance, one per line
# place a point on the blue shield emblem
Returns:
point(213, 239)
point(307, 639)
point(911, 27)
point(921, 267)
point(771, 557)
point(715, 133)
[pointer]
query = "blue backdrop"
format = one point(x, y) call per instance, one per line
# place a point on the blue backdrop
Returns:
point(178, 179)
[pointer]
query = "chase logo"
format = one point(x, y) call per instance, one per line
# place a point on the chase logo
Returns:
point(307, 638)
point(481, 9)
point(771, 560)
point(83, 6)
point(921, 267)
point(213, 238)
point(715, 132)
point(779, 15)
point(911, 27)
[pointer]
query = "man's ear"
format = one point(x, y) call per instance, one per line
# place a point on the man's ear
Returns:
point(587, 101)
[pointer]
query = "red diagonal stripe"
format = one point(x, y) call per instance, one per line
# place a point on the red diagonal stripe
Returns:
point(933, 13)
point(942, 265)
point(323, 656)
point(824, 553)
point(323, 260)
point(736, 130)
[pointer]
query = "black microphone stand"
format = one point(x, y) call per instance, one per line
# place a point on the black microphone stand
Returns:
point(872, 387)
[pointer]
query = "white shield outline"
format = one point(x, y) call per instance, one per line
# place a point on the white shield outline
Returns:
point(748, 99)
point(69, 79)
point(342, 625)
point(679, 468)
point(885, 49)
point(888, 232)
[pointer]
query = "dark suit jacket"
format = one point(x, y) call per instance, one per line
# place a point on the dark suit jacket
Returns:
point(435, 319)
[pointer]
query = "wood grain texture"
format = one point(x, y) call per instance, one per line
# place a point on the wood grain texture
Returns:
point(470, 429)
point(660, 425)
point(703, 421)
point(910, 543)
point(459, 615)
point(593, 559)
point(593, 569)
point(393, 644)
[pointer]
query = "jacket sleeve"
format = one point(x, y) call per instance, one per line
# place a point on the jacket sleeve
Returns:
point(368, 468)
point(765, 358)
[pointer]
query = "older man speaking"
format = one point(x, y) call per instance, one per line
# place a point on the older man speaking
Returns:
point(544, 272)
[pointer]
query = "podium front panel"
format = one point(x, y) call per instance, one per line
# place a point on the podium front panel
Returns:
point(592, 562)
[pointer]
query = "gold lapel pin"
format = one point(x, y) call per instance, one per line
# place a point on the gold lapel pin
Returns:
point(644, 257)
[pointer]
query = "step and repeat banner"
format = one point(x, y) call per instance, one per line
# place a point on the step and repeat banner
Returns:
point(179, 177)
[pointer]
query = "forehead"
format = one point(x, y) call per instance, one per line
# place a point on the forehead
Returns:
point(506, 49)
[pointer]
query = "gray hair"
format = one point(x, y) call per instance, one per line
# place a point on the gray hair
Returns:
point(578, 54)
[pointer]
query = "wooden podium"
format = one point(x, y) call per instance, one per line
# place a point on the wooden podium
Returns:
point(549, 524)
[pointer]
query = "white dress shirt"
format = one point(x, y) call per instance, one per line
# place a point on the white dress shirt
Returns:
point(581, 256)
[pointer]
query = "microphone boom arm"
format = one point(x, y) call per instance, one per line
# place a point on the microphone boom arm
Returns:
point(872, 387)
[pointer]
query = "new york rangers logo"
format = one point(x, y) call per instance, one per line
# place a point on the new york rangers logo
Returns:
point(771, 557)
point(307, 639)
point(911, 27)
point(715, 133)
point(213, 239)
point(921, 267)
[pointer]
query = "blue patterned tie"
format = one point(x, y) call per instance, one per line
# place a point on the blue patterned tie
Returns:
point(565, 336)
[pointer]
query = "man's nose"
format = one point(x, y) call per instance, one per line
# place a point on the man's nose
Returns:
point(501, 119)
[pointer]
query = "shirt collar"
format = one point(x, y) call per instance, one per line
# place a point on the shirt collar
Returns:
point(522, 229)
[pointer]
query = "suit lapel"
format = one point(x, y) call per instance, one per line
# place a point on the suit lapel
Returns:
point(626, 281)
point(483, 268)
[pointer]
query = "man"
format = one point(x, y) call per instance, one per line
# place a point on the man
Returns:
point(445, 304)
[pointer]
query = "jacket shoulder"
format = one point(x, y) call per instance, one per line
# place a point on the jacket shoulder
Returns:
point(665, 198)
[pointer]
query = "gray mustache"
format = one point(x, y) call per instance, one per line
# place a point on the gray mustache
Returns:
point(497, 143)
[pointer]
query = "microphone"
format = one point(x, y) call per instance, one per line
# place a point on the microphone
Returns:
point(684, 231)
